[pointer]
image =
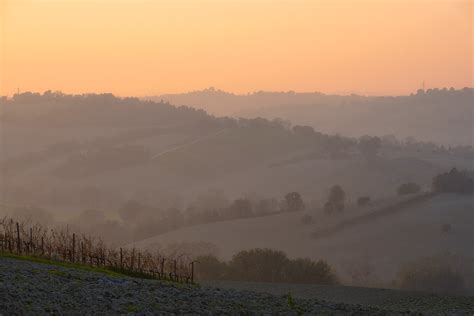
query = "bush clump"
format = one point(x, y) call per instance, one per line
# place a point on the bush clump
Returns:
point(454, 181)
point(431, 275)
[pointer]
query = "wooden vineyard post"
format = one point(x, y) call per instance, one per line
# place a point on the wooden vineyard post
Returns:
point(82, 251)
point(18, 244)
point(162, 267)
point(121, 258)
point(30, 248)
point(73, 254)
point(175, 269)
point(192, 271)
point(139, 265)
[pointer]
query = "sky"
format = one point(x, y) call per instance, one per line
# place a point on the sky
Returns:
point(133, 47)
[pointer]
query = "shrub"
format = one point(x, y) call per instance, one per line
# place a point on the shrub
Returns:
point(210, 268)
point(260, 265)
point(408, 188)
point(304, 270)
point(431, 275)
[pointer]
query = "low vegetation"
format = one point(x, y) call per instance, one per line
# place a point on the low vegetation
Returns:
point(439, 274)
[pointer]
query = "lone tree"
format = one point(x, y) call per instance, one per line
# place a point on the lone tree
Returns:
point(336, 200)
point(369, 146)
point(293, 202)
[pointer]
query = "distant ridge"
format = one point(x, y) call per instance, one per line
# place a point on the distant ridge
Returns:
point(439, 115)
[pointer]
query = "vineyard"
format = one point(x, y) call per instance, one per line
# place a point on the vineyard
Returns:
point(59, 244)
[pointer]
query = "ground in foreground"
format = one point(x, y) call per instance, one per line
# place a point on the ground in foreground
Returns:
point(36, 288)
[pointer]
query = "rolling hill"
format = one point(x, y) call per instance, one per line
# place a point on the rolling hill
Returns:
point(70, 154)
point(383, 243)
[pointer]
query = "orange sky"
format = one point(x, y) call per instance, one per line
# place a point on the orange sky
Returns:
point(133, 47)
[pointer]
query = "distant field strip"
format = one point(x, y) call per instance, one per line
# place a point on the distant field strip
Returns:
point(194, 141)
point(377, 214)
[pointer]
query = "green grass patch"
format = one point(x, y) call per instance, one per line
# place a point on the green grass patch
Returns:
point(109, 271)
point(131, 308)
point(79, 266)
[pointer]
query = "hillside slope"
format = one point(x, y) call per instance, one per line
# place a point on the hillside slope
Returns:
point(384, 243)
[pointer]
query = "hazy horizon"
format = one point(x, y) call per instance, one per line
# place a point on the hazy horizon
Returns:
point(149, 48)
point(236, 93)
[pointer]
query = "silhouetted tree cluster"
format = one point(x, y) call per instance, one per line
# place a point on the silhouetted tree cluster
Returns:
point(336, 200)
point(304, 131)
point(454, 181)
point(293, 202)
point(369, 146)
point(142, 220)
point(265, 265)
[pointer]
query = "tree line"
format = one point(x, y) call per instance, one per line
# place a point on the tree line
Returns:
point(265, 265)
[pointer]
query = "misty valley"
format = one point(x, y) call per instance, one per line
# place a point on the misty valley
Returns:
point(235, 194)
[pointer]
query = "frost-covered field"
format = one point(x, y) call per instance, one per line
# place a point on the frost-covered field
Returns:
point(30, 288)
